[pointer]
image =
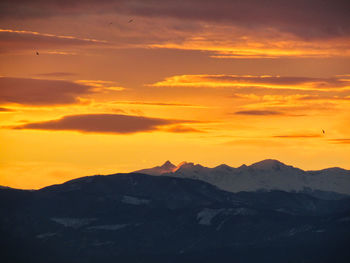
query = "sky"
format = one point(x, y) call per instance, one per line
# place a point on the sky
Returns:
point(98, 87)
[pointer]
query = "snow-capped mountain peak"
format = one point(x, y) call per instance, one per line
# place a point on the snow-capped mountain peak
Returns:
point(270, 164)
point(267, 175)
point(167, 167)
point(187, 166)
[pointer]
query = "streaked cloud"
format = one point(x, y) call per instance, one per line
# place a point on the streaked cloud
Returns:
point(5, 110)
point(23, 33)
point(325, 97)
point(340, 141)
point(251, 142)
point(13, 40)
point(232, 42)
point(160, 104)
point(101, 85)
point(259, 112)
point(103, 123)
point(56, 74)
point(183, 129)
point(269, 82)
point(299, 136)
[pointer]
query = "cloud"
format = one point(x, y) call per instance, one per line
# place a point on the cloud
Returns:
point(182, 129)
point(225, 42)
point(56, 74)
point(303, 18)
point(251, 142)
point(163, 24)
point(307, 19)
point(5, 110)
point(12, 40)
point(298, 136)
point(223, 28)
point(40, 92)
point(160, 104)
point(259, 112)
point(338, 97)
point(102, 85)
point(247, 81)
point(102, 123)
point(340, 141)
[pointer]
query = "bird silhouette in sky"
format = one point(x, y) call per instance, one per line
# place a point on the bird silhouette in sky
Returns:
point(110, 23)
point(37, 53)
point(131, 20)
point(323, 131)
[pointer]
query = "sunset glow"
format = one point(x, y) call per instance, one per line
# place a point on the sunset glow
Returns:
point(85, 91)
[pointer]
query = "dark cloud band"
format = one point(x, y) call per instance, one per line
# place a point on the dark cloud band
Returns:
point(307, 19)
point(259, 112)
point(40, 92)
point(102, 123)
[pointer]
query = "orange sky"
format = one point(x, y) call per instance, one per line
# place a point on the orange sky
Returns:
point(204, 81)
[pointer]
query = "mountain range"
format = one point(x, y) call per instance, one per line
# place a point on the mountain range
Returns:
point(159, 218)
point(266, 175)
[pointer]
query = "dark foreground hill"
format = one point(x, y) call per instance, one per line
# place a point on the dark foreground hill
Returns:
point(141, 218)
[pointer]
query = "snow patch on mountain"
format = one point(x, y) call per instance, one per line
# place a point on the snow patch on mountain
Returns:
point(46, 235)
point(73, 222)
point(206, 215)
point(241, 211)
point(298, 230)
point(107, 227)
point(131, 200)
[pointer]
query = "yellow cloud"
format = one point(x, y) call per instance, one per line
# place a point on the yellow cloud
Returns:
point(270, 82)
point(101, 85)
point(232, 42)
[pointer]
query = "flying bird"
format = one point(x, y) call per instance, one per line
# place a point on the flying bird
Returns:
point(110, 23)
point(131, 20)
point(37, 53)
point(323, 131)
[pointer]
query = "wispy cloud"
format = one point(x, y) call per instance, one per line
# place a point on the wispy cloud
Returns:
point(52, 36)
point(340, 141)
point(5, 110)
point(269, 82)
point(299, 136)
point(102, 85)
point(237, 45)
point(13, 40)
point(259, 112)
point(160, 104)
point(325, 97)
point(183, 129)
point(253, 142)
point(56, 74)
